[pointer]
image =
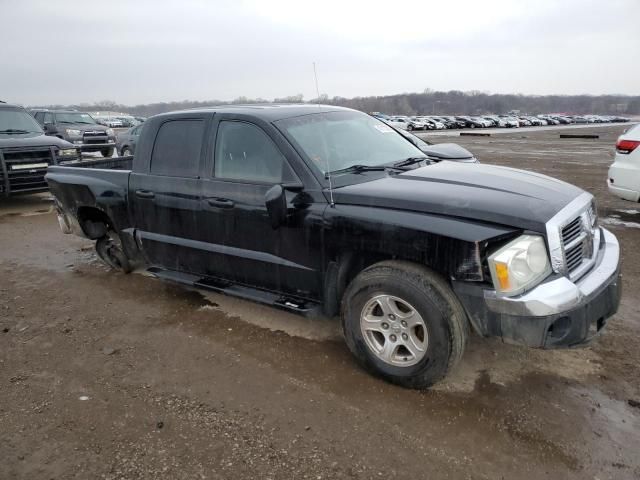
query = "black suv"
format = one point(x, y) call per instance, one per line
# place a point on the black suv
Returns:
point(79, 128)
point(25, 152)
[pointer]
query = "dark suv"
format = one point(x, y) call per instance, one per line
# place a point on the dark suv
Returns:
point(25, 152)
point(79, 128)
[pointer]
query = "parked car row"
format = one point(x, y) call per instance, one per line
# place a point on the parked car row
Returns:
point(119, 121)
point(432, 122)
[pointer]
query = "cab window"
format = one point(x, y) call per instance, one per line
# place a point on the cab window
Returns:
point(244, 152)
point(176, 151)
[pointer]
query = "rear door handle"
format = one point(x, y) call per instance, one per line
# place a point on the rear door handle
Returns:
point(220, 202)
point(145, 194)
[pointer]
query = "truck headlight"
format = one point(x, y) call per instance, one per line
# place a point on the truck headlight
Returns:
point(519, 265)
point(68, 152)
point(71, 131)
point(110, 132)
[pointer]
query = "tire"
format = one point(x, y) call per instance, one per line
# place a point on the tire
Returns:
point(473, 125)
point(107, 152)
point(447, 327)
point(410, 128)
point(109, 249)
point(126, 152)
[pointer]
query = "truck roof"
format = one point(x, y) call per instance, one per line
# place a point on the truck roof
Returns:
point(269, 112)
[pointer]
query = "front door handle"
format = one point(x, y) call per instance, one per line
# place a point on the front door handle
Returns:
point(220, 202)
point(145, 194)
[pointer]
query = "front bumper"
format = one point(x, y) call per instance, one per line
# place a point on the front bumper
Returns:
point(557, 313)
point(79, 142)
point(94, 147)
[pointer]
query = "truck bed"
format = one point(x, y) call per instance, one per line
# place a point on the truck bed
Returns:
point(101, 183)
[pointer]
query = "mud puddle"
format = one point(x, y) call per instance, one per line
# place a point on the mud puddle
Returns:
point(628, 218)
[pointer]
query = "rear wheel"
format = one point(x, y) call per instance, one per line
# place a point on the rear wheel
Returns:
point(403, 323)
point(107, 152)
point(109, 249)
point(410, 128)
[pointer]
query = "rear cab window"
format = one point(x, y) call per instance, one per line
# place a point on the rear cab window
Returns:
point(177, 148)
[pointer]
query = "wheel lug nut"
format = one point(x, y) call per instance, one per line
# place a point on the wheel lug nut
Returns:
point(392, 316)
point(404, 324)
point(405, 336)
point(393, 338)
point(385, 325)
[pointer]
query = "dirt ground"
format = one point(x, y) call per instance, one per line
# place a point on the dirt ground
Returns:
point(112, 376)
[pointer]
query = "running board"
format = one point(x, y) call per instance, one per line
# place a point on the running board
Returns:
point(284, 302)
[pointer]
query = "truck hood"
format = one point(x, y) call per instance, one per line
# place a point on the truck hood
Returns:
point(447, 151)
point(500, 195)
point(17, 140)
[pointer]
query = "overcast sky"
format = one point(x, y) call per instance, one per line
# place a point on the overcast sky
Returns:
point(61, 52)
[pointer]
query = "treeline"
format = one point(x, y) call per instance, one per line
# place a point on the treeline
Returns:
point(426, 103)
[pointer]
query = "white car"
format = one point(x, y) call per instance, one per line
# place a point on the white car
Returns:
point(510, 122)
point(405, 123)
point(624, 174)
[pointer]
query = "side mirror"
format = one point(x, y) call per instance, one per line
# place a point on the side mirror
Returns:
point(50, 128)
point(276, 202)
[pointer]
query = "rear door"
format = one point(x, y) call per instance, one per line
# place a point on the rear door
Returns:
point(165, 193)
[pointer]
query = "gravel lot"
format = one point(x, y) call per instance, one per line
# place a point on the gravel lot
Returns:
point(112, 376)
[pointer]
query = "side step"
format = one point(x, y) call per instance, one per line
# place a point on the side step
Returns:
point(284, 302)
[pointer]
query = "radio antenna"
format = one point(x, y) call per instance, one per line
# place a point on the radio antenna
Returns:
point(328, 174)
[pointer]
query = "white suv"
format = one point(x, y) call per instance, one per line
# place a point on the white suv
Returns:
point(624, 174)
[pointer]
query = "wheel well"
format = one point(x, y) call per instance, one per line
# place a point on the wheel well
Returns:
point(346, 267)
point(94, 222)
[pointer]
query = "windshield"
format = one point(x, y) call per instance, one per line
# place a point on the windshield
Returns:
point(73, 117)
point(17, 119)
point(338, 140)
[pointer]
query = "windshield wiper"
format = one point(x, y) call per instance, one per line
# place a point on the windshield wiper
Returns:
point(411, 161)
point(13, 130)
point(359, 168)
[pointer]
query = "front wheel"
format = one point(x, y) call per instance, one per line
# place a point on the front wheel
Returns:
point(126, 152)
point(107, 152)
point(403, 323)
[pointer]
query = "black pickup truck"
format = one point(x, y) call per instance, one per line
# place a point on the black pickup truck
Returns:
point(325, 210)
point(26, 152)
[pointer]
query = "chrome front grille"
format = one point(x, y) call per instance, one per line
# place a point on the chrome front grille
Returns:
point(572, 231)
point(574, 237)
point(574, 257)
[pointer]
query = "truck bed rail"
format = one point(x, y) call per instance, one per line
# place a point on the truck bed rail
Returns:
point(115, 163)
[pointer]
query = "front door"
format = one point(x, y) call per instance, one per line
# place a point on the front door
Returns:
point(244, 247)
